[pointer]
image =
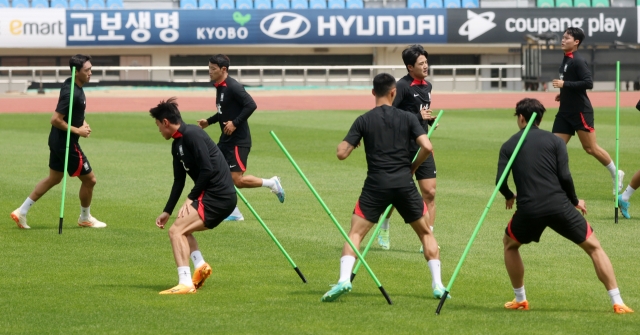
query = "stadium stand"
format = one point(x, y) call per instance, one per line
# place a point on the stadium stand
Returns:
point(603, 3)
point(545, 3)
point(115, 4)
point(452, 3)
point(188, 4)
point(262, 4)
point(582, 3)
point(207, 4)
point(299, 4)
point(318, 4)
point(281, 4)
point(470, 4)
point(78, 4)
point(20, 3)
point(59, 4)
point(244, 4)
point(336, 4)
point(355, 4)
point(4, 3)
point(415, 3)
point(564, 3)
point(226, 4)
point(96, 4)
point(434, 4)
point(39, 3)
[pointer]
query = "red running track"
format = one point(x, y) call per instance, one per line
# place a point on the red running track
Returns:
point(299, 101)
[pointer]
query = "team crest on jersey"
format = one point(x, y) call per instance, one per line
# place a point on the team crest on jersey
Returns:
point(180, 150)
point(565, 67)
point(429, 94)
point(219, 108)
point(221, 97)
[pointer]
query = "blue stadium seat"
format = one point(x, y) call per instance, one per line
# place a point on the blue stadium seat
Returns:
point(470, 4)
point(95, 4)
point(452, 3)
point(207, 4)
point(355, 4)
point(78, 4)
point(244, 4)
point(59, 4)
point(262, 4)
point(336, 4)
point(4, 3)
point(318, 4)
point(188, 4)
point(415, 4)
point(115, 4)
point(226, 4)
point(281, 4)
point(299, 4)
point(39, 4)
point(434, 4)
point(20, 3)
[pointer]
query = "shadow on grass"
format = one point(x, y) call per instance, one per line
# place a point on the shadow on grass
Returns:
point(153, 288)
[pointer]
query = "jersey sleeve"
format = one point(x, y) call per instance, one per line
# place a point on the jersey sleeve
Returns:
point(63, 101)
point(401, 91)
point(355, 133)
point(638, 105)
point(179, 176)
point(214, 118)
point(564, 175)
point(414, 127)
point(585, 81)
point(503, 160)
point(200, 152)
point(248, 105)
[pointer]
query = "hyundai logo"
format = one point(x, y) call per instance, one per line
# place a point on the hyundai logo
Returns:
point(285, 25)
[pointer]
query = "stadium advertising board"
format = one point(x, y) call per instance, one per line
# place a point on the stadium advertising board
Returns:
point(218, 27)
point(31, 28)
point(492, 25)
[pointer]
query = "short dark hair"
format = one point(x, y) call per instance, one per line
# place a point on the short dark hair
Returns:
point(382, 84)
point(527, 106)
point(576, 33)
point(410, 55)
point(220, 60)
point(167, 110)
point(78, 61)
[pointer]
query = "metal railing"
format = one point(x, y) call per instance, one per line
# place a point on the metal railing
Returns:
point(265, 75)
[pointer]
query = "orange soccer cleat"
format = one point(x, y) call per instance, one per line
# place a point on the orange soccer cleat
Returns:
point(200, 275)
point(523, 305)
point(179, 289)
point(622, 309)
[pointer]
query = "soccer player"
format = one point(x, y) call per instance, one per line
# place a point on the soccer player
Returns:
point(78, 165)
point(234, 107)
point(575, 114)
point(211, 199)
point(387, 133)
point(546, 198)
point(623, 199)
point(414, 95)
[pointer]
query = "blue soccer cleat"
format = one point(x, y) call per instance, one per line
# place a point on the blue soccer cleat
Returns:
point(336, 291)
point(234, 218)
point(624, 207)
point(383, 239)
point(438, 292)
point(277, 189)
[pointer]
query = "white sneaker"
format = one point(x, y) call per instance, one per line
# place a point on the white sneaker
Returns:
point(91, 223)
point(234, 218)
point(620, 182)
point(277, 188)
point(21, 220)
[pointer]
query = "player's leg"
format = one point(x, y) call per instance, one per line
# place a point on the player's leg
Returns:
point(86, 195)
point(563, 128)
point(623, 199)
point(515, 269)
point(201, 269)
point(428, 190)
point(238, 168)
point(590, 145)
point(19, 215)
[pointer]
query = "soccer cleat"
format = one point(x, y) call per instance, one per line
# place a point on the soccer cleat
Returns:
point(383, 239)
point(179, 289)
point(438, 292)
point(200, 275)
point(21, 220)
point(234, 218)
point(624, 207)
point(621, 309)
point(336, 291)
point(523, 305)
point(277, 189)
point(91, 223)
point(620, 183)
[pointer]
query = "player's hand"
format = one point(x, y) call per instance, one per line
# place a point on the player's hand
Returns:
point(83, 131)
point(203, 123)
point(229, 128)
point(558, 97)
point(358, 145)
point(509, 202)
point(582, 206)
point(557, 83)
point(426, 114)
point(185, 209)
point(162, 220)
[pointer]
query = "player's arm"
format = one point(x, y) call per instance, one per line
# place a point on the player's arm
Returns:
point(425, 150)
point(57, 120)
point(248, 106)
point(585, 80)
point(199, 150)
point(179, 176)
point(351, 141)
point(564, 175)
point(638, 105)
point(502, 165)
point(204, 123)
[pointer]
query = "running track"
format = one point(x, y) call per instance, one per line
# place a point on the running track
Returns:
point(299, 101)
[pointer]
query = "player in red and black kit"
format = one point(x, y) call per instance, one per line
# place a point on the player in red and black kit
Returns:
point(210, 201)
point(414, 96)
point(387, 133)
point(546, 198)
point(78, 165)
point(575, 114)
point(234, 107)
point(623, 199)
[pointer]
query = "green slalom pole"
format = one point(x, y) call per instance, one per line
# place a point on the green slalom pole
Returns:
point(66, 154)
point(486, 210)
point(324, 206)
point(386, 212)
point(284, 252)
point(617, 136)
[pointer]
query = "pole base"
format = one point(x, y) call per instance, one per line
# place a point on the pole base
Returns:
point(304, 280)
point(616, 214)
point(60, 226)
point(353, 276)
point(442, 300)
point(386, 296)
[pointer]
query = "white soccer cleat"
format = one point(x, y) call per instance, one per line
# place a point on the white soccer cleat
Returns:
point(277, 189)
point(21, 220)
point(91, 223)
point(620, 182)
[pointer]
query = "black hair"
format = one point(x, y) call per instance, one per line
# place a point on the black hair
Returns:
point(410, 55)
point(576, 33)
point(220, 60)
point(382, 84)
point(527, 106)
point(78, 61)
point(167, 110)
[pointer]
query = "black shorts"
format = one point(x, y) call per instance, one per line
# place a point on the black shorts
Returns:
point(569, 123)
point(78, 163)
point(407, 201)
point(214, 208)
point(426, 170)
point(235, 156)
point(569, 224)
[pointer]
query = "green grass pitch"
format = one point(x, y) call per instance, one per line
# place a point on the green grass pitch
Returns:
point(107, 281)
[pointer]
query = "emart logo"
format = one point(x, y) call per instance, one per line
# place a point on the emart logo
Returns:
point(477, 24)
point(27, 28)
